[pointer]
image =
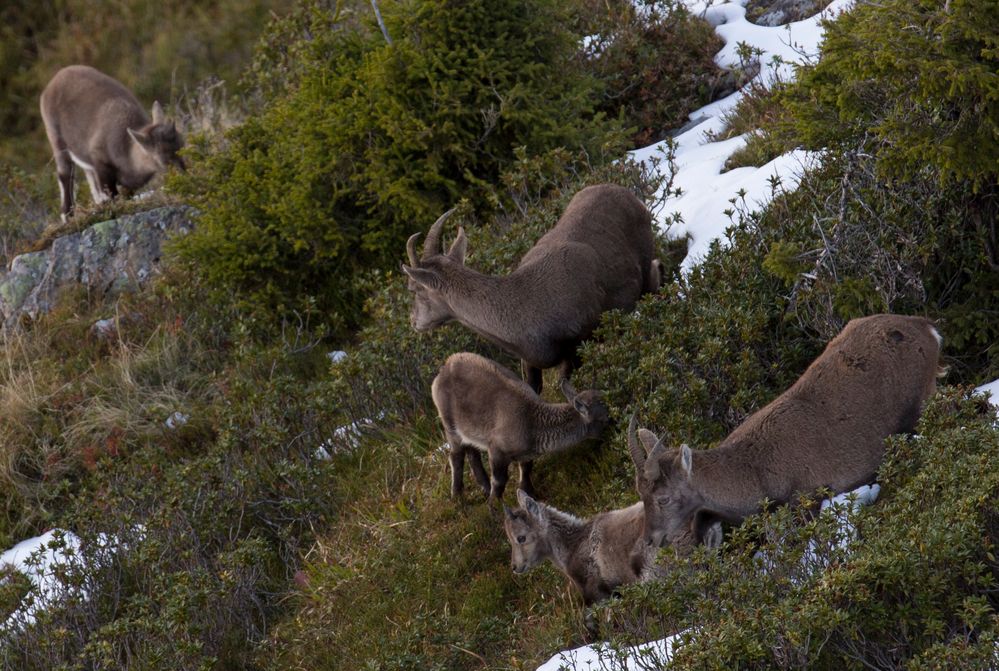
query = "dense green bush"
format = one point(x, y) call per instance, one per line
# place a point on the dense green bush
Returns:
point(917, 590)
point(375, 140)
point(917, 79)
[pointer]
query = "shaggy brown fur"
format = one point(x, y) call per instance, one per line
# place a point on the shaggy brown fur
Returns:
point(826, 431)
point(598, 257)
point(95, 122)
point(599, 554)
point(486, 406)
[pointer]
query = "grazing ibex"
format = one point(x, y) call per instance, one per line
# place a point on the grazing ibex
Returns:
point(598, 257)
point(486, 406)
point(93, 121)
point(599, 554)
point(827, 430)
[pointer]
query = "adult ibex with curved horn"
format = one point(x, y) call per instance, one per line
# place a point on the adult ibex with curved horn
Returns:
point(598, 257)
point(827, 430)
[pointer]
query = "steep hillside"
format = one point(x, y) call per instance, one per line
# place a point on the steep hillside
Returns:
point(243, 461)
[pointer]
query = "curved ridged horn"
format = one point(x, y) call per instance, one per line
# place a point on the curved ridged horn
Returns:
point(636, 450)
point(432, 245)
point(652, 471)
point(411, 250)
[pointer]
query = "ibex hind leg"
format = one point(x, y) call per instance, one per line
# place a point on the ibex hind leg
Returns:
point(64, 173)
point(475, 459)
point(499, 475)
point(456, 455)
point(534, 377)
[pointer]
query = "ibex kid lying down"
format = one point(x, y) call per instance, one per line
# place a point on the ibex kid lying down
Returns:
point(94, 122)
point(486, 406)
point(827, 430)
point(598, 257)
point(599, 554)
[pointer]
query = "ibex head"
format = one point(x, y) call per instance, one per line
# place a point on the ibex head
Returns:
point(590, 406)
point(427, 275)
point(662, 478)
point(160, 140)
point(527, 531)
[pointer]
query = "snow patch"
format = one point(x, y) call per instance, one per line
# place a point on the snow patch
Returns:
point(992, 389)
point(603, 656)
point(708, 197)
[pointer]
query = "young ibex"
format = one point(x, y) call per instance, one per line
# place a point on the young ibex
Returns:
point(827, 430)
point(598, 257)
point(95, 122)
point(599, 554)
point(486, 406)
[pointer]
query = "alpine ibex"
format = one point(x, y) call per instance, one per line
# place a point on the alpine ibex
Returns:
point(598, 257)
point(486, 406)
point(827, 430)
point(93, 121)
point(599, 554)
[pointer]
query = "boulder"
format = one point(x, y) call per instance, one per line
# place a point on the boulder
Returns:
point(105, 258)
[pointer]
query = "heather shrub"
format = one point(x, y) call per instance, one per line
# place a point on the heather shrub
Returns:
point(656, 60)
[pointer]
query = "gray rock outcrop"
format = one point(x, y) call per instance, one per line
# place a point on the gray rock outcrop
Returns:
point(105, 258)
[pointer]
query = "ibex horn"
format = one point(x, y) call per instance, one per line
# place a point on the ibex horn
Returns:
point(432, 245)
point(637, 452)
point(652, 471)
point(411, 250)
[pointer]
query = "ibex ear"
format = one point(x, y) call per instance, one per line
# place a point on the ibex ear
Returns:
point(424, 277)
point(528, 504)
point(507, 512)
point(458, 247)
point(686, 459)
point(581, 408)
point(158, 115)
point(567, 389)
point(140, 138)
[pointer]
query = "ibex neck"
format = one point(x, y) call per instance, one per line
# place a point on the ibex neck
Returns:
point(490, 306)
point(723, 481)
point(557, 426)
point(566, 533)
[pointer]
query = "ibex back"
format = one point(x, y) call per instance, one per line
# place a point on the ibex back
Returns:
point(94, 122)
point(598, 257)
point(827, 430)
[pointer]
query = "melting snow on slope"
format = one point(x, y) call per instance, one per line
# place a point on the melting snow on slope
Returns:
point(706, 191)
point(41, 559)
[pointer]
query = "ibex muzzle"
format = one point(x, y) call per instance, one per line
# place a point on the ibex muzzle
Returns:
point(94, 122)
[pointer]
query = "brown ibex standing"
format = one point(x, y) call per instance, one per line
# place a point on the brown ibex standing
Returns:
point(599, 554)
point(486, 406)
point(827, 430)
point(94, 122)
point(598, 257)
